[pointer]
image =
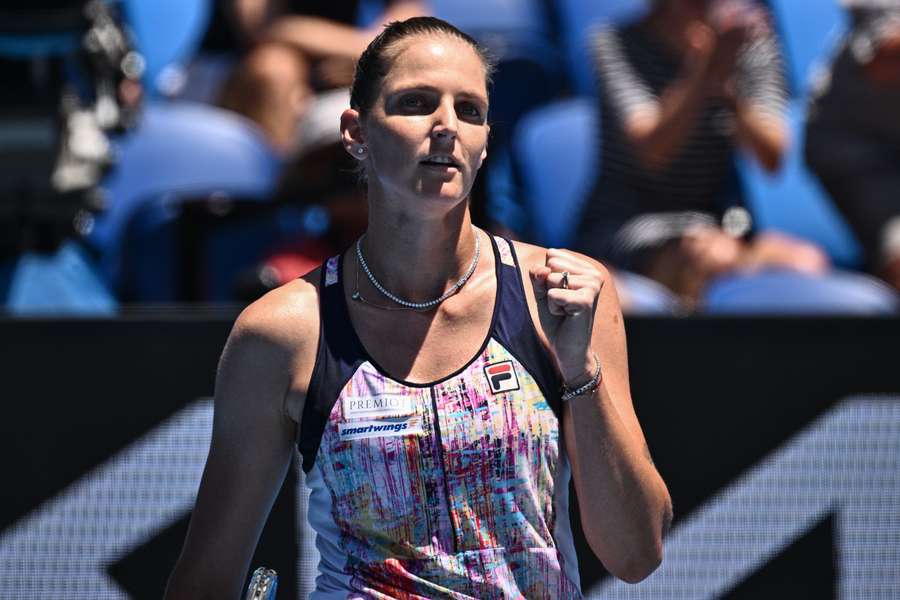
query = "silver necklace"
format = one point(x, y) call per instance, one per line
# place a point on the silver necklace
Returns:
point(416, 305)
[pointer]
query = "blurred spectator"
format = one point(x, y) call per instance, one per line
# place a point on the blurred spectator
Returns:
point(290, 51)
point(683, 88)
point(853, 132)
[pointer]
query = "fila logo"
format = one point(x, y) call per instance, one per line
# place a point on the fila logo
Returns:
point(502, 377)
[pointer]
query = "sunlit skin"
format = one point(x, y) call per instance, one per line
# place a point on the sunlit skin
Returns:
point(433, 102)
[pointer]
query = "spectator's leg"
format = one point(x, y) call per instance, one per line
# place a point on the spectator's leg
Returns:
point(687, 264)
point(271, 87)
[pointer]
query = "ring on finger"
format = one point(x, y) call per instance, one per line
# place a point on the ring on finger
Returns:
point(565, 280)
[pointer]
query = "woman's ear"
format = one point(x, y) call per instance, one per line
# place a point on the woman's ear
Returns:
point(484, 151)
point(351, 134)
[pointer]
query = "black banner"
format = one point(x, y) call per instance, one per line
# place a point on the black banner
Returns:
point(766, 431)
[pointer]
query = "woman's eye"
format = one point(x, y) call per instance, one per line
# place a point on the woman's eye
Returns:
point(470, 110)
point(413, 102)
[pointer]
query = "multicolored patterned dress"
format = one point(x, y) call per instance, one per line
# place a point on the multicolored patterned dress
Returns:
point(452, 489)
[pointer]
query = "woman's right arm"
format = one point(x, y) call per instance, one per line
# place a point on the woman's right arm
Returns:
point(252, 444)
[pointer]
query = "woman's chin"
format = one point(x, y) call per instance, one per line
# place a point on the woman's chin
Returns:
point(443, 192)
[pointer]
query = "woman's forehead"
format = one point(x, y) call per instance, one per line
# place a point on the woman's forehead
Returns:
point(436, 57)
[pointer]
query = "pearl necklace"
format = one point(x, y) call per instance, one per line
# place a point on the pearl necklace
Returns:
point(417, 305)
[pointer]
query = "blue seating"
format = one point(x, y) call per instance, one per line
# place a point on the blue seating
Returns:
point(167, 33)
point(64, 282)
point(578, 18)
point(790, 293)
point(498, 16)
point(641, 295)
point(510, 29)
point(180, 150)
point(794, 202)
point(809, 30)
point(557, 153)
point(20, 46)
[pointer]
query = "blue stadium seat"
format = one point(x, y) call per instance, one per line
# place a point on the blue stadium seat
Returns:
point(167, 33)
point(557, 153)
point(195, 248)
point(180, 150)
point(794, 202)
point(641, 295)
point(65, 282)
point(493, 16)
point(511, 29)
point(809, 29)
point(790, 293)
point(21, 46)
point(578, 18)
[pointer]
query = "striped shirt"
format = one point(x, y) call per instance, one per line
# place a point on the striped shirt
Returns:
point(634, 70)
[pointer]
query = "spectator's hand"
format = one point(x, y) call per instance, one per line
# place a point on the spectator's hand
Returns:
point(726, 49)
point(335, 72)
point(734, 23)
point(714, 54)
point(772, 249)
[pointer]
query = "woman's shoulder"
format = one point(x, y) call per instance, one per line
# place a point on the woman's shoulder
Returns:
point(286, 319)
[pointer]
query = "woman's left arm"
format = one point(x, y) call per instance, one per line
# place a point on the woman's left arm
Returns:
point(625, 506)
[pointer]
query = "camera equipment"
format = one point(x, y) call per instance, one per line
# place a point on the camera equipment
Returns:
point(74, 77)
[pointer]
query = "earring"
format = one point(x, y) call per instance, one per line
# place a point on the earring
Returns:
point(360, 150)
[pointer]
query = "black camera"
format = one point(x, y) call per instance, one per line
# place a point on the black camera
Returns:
point(72, 79)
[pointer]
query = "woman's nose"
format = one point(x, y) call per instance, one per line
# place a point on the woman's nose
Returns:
point(445, 122)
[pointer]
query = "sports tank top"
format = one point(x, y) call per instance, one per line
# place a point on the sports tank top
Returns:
point(456, 488)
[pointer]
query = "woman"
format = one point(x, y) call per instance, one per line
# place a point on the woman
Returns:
point(420, 371)
point(683, 88)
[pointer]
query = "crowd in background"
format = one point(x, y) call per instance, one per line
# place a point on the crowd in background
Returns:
point(693, 103)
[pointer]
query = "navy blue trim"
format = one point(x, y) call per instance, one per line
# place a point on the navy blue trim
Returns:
point(338, 357)
point(515, 330)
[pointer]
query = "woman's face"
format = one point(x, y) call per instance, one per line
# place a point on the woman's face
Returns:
point(427, 132)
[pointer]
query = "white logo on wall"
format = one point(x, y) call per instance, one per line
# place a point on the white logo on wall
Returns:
point(63, 548)
point(846, 462)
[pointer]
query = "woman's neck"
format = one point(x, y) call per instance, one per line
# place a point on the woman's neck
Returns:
point(418, 258)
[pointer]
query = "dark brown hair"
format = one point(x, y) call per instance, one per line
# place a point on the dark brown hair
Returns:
point(375, 61)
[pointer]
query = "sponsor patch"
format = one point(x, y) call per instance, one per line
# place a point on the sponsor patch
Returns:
point(502, 377)
point(385, 405)
point(358, 430)
point(503, 248)
point(331, 271)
